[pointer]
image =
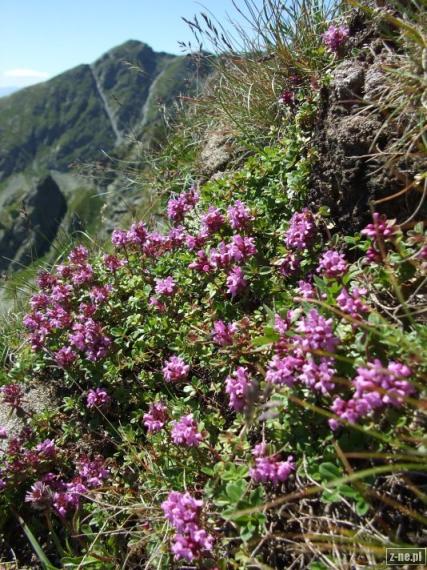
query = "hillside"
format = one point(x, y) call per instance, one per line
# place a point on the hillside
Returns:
point(237, 378)
point(79, 116)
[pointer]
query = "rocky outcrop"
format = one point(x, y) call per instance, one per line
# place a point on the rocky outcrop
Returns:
point(33, 226)
point(353, 171)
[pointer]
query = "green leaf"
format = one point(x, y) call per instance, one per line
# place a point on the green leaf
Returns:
point(329, 471)
point(235, 490)
point(362, 507)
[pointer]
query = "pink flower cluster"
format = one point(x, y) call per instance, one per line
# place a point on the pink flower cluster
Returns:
point(179, 206)
point(12, 396)
point(175, 369)
point(375, 388)
point(238, 387)
point(52, 492)
point(334, 37)
point(223, 333)
point(156, 417)
point(236, 281)
point(290, 265)
point(381, 228)
point(239, 216)
point(88, 337)
point(269, 469)
point(351, 302)
point(332, 264)
point(183, 513)
point(212, 220)
point(98, 398)
point(299, 364)
point(301, 231)
point(166, 287)
point(185, 432)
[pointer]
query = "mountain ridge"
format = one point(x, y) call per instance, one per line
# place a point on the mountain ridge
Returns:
point(80, 116)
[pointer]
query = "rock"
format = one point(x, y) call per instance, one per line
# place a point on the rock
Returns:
point(348, 81)
point(216, 153)
point(37, 398)
point(352, 137)
point(33, 226)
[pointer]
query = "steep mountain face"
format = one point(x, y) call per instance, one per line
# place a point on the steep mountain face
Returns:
point(75, 116)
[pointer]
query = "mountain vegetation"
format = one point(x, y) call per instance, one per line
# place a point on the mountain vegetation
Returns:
point(82, 116)
point(237, 379)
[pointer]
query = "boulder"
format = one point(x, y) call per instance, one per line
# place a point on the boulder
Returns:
point(34, 224)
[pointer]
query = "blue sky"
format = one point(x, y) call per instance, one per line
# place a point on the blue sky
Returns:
point(41, 38)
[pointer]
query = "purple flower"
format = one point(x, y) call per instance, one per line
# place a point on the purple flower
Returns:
point(46, 280)
point(157, 304)
point(176, 209)
point(64, 502)
point(179, 206)
point(165, 286)
point(47, 448)
point(202, 263)
point(137, 233)
point(92, 471)
point(83, 275)
point(318, 376)
point(120, 238)
point(383, 386)
point(212, 220)
point(98, 398)
point(351, 303)
point(99, 294)
point(175, 369)
point(318, 333)
point(239, 216)
point(177, 236)
point(65, 356)
point(190, 546)
point(241, 248)
point(156, 417)
point(302, 230)
point(181, 510)
point(221, 256)
point(3, 433)
point(113, 263)
point(40, 496)
point(350, 410)
point(287, 97)
point(380, 228)
point(306, 290)
point(334, 37)
point(58, 317)
point(289, 266)
point(283, 371)
point(238, 387)
point(184, 432)
point(271, 470)
point(222, 333)
point(372, 255)
point(332, 264)
point(195, 242)
point(78, 255)
point(88, 337)
point(39, 301)
point(13, 395)
point(236, 281)
point(61, 293)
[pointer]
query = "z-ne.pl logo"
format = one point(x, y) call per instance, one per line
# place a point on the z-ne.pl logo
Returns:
point(406, 556)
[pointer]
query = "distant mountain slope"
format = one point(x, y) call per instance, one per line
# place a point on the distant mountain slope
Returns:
point(84, 109)
point(75, 116)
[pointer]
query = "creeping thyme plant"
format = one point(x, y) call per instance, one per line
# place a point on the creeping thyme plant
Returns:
point(237, 390)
